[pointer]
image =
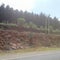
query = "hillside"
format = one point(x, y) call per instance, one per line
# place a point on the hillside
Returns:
point(19, 30)
point(9, 15)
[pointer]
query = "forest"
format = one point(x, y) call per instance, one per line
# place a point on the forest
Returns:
point(26, 19)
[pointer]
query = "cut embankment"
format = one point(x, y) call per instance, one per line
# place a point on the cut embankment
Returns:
point(12, 40)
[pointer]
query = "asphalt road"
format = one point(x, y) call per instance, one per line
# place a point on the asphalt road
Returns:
point(41, 56)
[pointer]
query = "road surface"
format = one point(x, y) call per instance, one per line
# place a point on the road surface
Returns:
point(50, 55)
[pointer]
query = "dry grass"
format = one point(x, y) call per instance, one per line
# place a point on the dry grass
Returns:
point(22, 51)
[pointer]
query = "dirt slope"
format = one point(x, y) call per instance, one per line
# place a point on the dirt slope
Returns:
point(11, 39)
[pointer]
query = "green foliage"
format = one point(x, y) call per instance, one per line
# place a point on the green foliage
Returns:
point(29, 20)
point(8, 24)
point(26, 25)
point(5, 26)
point(46, 30)
point(56, 31)
point(42, 29)
point(32, 25)
point(50, 29)
point(20, 21)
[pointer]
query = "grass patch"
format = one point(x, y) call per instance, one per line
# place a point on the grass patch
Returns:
point(8, 24)
point(22, 51)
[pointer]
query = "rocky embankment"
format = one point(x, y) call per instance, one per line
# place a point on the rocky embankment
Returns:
point(11, 39)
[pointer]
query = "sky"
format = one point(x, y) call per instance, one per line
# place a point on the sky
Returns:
point(48, 7)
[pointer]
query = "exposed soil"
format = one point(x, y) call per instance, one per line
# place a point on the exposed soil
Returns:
point(12, 39)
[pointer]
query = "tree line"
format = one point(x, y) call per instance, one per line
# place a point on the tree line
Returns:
point(42, 21)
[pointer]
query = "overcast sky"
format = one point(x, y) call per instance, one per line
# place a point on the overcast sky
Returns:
point(51, 7)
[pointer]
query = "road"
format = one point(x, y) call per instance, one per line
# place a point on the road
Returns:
point(41, 56)
point(49, 55)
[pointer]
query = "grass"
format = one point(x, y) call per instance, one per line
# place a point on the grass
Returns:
point(27, 50)
point(8, 24)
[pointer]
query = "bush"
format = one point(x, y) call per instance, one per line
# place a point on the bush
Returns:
point(5, 26)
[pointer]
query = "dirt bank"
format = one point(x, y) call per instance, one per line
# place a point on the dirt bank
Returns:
point(12, 39)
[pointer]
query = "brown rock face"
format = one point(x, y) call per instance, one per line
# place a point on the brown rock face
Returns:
point(11, 39)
